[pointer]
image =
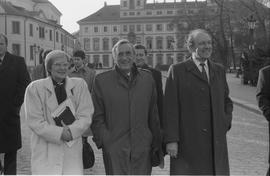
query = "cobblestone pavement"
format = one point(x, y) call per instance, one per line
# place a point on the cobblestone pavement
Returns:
point(247, 141)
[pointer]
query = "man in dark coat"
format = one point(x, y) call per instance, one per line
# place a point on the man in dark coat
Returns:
point(263, 95)
point(198, 112)
point(125, 122)
point(14, 79)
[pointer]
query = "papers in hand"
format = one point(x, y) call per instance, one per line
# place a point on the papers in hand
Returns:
point(65, 112)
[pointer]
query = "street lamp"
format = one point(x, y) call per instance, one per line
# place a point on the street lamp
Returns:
point(251, 26)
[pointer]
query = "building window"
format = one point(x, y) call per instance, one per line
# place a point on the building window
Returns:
point(62, 38)
point(96, 44)
point(169, 12)
point(170, 43)
point(150, 60)
point(114, 28)
point(124, 13)
point(105, 59)
point(138, 13)
point(169, 59)
point(169, 27)
point(114, 41)
point(159, 43)
point(149, 27)
point(16, 49)
point(105, 44)
point(125, 4)
point(159, 27)
point(57, 37)
point(95, 29)
point(125, 28)
point(131, 28)
point(105, 29)
point(149, 43)
point(149, 13)
point(86, 30)
point(138, 2)
point(32, 52)
point(131, 13)
point(159, 12)
point(138, 28)
point(41, 32)
point(86, 43)
point(159, 59)
point(51, 37)
point(96, 58)
point(15, 27)
point(31, 30)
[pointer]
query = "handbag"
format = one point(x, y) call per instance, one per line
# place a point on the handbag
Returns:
point(88, 154)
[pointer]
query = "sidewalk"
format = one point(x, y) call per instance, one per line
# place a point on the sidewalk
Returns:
point(242, 95)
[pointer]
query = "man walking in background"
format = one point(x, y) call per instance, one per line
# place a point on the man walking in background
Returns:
point(14, 79)
point(198, 112)
point(81, 70)
point(263, 95)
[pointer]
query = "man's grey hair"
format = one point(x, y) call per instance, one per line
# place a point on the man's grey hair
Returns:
point(118, 44)
point(50, 58)
point(191, 37)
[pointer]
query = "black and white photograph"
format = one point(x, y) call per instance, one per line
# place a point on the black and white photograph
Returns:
point(135, 87)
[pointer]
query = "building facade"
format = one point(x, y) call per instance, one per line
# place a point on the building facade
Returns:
point(33, 26)
point(149, 24)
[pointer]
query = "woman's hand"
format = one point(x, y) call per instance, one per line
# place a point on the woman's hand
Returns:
point(66, 133)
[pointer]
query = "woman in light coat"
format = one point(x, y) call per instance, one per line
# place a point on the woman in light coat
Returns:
point(50, 153)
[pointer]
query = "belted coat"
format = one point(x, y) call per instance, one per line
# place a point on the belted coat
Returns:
point(125, 121)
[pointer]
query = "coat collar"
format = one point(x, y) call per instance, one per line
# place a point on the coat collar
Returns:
point(191, 66)
point(52, 101)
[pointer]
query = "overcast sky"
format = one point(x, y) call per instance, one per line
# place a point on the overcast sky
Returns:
point(75, 10)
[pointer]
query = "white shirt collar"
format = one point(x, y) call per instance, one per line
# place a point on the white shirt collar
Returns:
point(197, 63)
point(2, 58)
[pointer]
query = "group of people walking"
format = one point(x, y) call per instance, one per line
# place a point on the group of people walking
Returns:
point(131, 119)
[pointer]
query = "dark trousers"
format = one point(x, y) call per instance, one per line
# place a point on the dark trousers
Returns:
point(10, 163)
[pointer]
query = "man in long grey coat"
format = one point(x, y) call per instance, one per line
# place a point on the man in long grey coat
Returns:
point(198, 112)
point(125, 121)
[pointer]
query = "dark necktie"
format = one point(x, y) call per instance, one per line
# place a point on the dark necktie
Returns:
point(204, 75)
point(1, 61)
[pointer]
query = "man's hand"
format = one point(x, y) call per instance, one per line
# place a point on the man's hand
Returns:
point(66, 134)
point(172, 149)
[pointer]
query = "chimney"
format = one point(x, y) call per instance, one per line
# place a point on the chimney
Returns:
point(105, 3)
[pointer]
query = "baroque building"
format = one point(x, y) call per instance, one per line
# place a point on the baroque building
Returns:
point(33, 26)
point(149, 24)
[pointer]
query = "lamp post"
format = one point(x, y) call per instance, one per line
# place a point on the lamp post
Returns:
point(251, 26)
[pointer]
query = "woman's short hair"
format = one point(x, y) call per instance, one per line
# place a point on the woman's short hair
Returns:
point(139, 46)
point(118, 44)
point(191, 37)
point(49, 60)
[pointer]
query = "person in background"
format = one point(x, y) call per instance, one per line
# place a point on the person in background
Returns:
point(50, 153)
point(125, 121)
point(81, 70)
point(14, 79)
point(39, 71)
point(141, 62)
point(197, 112)
point(263, 96)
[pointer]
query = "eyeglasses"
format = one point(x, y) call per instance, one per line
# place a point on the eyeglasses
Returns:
point(58, 65)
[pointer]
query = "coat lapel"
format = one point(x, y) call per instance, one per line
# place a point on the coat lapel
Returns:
point(193, 69)
point(6, 61)
point(51, 101)
point(212, 71)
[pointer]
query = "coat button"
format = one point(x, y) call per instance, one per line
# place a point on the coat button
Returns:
point(204, 130)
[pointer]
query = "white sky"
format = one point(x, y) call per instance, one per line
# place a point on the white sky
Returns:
point(75, 10)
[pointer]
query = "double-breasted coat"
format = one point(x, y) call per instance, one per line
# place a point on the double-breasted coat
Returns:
point(49, 154)
point(197, 116)
point(14, 79)
point(125, 121)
